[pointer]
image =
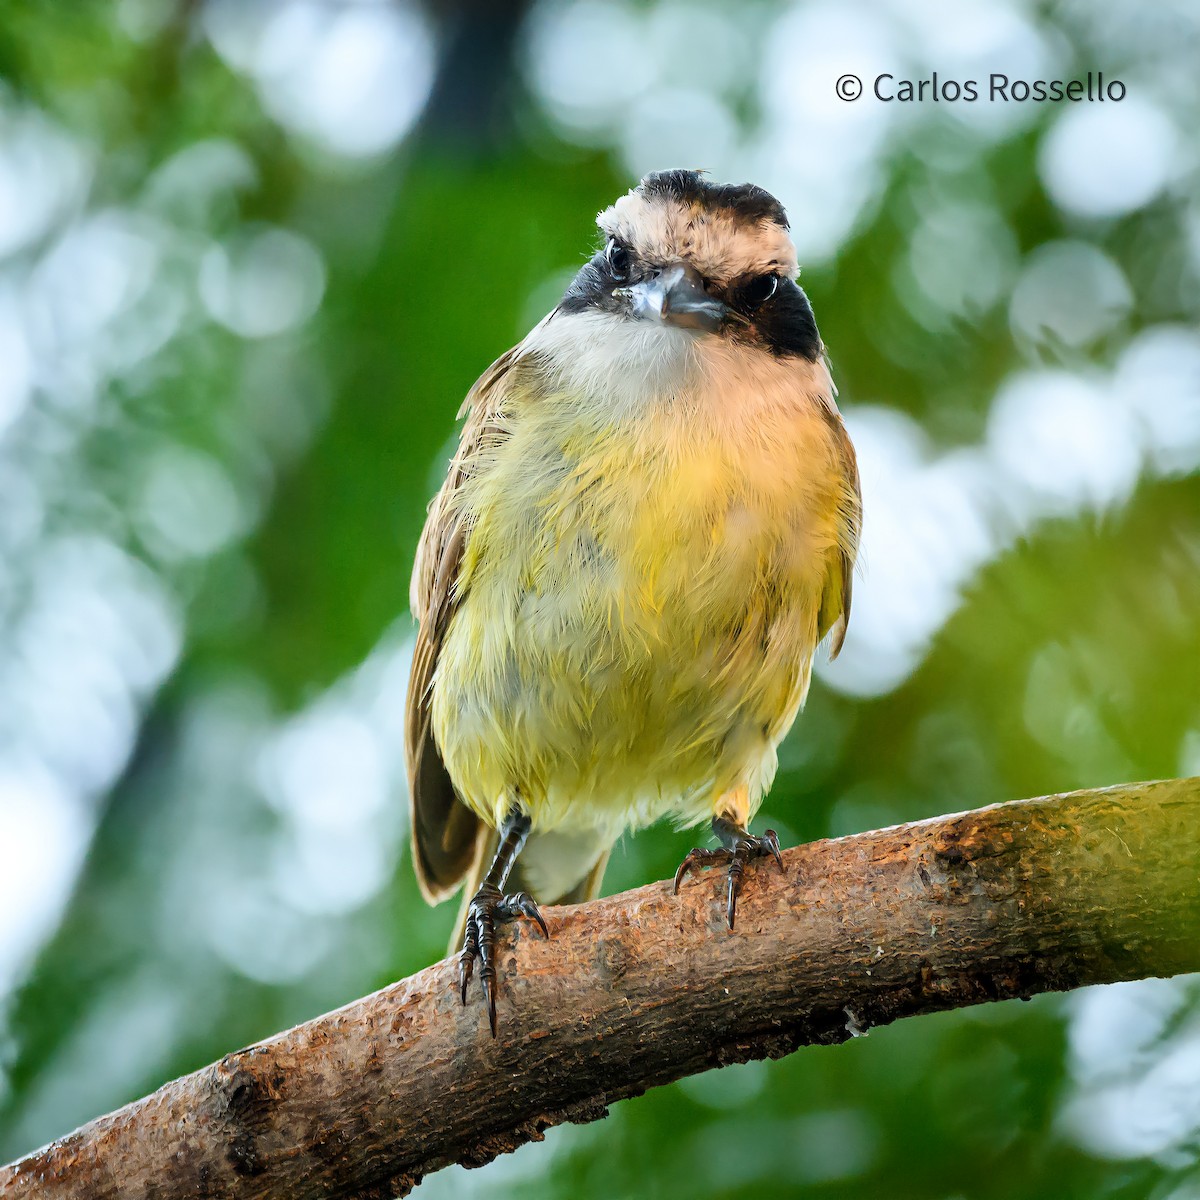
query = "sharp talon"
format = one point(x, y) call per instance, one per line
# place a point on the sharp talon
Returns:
point(489, 992)
point(537, 916)
point(740, 848)
point(487, 911)
point(523, 904)
point(698, 858)
point(772, 840)
point(465, 963)
point(684, 868)
point(466, 960)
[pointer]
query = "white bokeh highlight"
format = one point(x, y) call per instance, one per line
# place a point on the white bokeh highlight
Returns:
point(263, 283)
point(1105, 160)
point(351, 79)
point(1134, 1065)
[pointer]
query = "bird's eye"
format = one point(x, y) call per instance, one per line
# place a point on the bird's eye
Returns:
point(758, 291)
point(617, 257)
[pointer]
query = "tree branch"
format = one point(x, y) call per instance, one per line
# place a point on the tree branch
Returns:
point(639, 989)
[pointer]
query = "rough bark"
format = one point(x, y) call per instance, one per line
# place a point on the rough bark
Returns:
point(639, 989)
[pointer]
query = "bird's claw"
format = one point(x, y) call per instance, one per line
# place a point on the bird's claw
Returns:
point(746, 848)
point(487, 909)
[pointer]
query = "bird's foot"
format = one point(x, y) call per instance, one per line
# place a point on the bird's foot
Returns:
point(740, 849)
point(489, 908)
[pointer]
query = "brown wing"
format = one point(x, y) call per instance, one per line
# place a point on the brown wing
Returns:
point(835, 603)
point(444, 831)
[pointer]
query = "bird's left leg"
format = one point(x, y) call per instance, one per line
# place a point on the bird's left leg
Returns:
point(738, 847)
point(489, 907)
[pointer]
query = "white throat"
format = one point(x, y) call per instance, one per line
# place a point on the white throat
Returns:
point(620, 362)
point(625, 368)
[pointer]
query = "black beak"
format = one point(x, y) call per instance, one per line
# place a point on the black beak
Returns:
point(675, 297)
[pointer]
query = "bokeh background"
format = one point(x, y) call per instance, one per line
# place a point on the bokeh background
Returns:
point(252, 256)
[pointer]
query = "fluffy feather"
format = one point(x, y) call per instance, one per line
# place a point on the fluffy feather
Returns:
point(653, 545)
point(644, 535)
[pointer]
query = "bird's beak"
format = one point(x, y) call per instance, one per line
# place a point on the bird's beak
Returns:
point(676, 296)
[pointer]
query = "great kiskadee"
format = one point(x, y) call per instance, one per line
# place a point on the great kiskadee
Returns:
point(649, 525)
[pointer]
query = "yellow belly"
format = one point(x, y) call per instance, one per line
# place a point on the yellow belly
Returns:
point(639, 611)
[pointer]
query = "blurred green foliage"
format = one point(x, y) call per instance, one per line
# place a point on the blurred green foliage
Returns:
point(201, 914)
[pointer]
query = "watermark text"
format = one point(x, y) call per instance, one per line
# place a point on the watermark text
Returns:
point(999, 89)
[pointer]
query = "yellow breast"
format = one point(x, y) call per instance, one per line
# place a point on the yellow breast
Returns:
point(640, 596)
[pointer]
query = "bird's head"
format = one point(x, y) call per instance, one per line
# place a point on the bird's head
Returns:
point(684, 252)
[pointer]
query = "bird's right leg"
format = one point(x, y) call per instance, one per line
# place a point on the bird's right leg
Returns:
point(490, 907)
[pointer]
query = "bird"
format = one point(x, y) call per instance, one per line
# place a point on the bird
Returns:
point(649, 525)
